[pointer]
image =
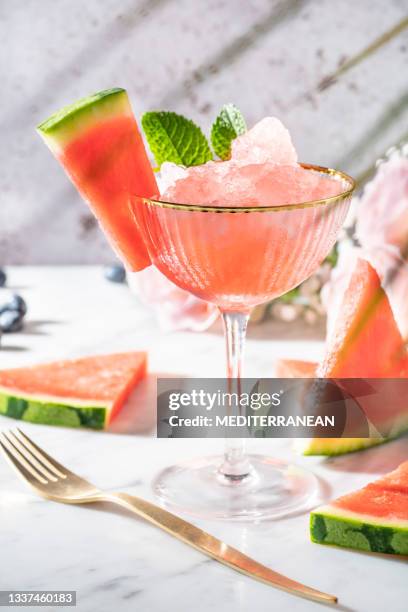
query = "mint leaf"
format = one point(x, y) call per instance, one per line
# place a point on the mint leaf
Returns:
point(174, 138)
point(229, 124)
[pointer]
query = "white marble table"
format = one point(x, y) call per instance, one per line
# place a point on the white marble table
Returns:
point(116, 562)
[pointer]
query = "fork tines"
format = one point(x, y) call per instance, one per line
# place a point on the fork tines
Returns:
point(34, 464)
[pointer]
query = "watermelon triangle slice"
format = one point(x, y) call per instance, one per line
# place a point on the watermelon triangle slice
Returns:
point(86, 392)
point(366, 343)
point(97, 141)
point(295, 368)
point(373, 519)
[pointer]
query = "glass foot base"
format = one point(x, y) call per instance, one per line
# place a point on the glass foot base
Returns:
point(272, 489)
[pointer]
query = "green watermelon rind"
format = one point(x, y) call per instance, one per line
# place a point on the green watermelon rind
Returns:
point(72, 119)
point(35, 410)
point(331, 447)
point(368, 534)
point(353, 445)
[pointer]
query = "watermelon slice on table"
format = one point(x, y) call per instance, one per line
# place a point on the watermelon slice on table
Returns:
point(97, 141)
point(86, 392)
point(366, 344)
point(295, 368)
point(373, 519)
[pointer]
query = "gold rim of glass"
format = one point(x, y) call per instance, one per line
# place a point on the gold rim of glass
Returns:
point(276, 207)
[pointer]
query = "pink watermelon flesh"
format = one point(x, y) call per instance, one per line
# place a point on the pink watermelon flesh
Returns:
point(374, 518)
point(295, 368)
point(366, 344)
point(98, 142)
point(86, 392)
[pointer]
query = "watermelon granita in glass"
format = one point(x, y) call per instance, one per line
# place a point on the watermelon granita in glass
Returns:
point(236, 233)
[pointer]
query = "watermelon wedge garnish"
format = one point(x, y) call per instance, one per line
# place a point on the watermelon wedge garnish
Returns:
point(86, 392)
point(366, 344)
point(97, 141)
point(373, 519)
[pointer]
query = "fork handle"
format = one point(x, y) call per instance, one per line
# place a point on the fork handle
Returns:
point(211, 546)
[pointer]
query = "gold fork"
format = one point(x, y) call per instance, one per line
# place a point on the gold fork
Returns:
point(53, 481)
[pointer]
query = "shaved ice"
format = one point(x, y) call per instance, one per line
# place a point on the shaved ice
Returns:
point(267, 141)
point(262, 171)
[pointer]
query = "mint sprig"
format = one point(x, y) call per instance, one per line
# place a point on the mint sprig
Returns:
point(174, 138)
point(229, 124)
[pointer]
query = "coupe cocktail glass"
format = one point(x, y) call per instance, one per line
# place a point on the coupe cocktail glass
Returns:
point(238, 257)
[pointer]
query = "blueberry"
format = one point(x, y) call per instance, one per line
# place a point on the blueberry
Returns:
point(11, 321)
point(115, 273)
point(4, 306)
point(17, 303)
point(3, 277)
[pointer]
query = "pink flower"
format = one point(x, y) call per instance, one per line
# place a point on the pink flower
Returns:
point(382, 212)
point(175, 308)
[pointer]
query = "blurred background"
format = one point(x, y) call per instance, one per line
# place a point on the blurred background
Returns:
point(334, 72)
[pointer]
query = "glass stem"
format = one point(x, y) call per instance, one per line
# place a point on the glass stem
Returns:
point(236, 465)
